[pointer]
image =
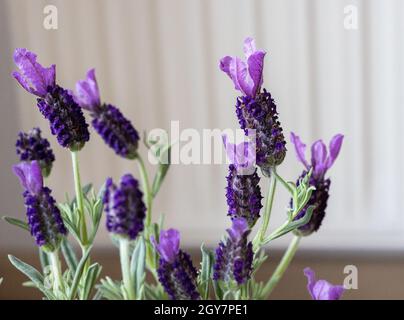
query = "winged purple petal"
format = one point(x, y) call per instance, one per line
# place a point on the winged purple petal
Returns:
point(322, 289)
point(300, 148)
point(311, 280)
point(224, 65)
point(169, 244)
point(243, 155)
point(249, 47)
point(319, 158)
point(335, 147)
point(238, 228)
point(87, 92)
point(30, 176)
point(255, 69)
point(240, 76)
point(32, 76)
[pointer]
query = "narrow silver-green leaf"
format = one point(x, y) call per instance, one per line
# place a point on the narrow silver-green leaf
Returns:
point(137, 267)
point(69, 255)
point(17, 222)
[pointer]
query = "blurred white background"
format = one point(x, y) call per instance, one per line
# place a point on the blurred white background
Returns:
point(157, 60)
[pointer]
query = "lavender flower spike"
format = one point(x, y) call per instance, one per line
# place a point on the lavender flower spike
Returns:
point(116, 130)
point(31, 146)
point(234, 256)
point(256, 109)
point(56, 104)
point(44, 219)
point(176, 272)
point(322, 289)
point(124, 207)
point(243, 192)
point(320, 163)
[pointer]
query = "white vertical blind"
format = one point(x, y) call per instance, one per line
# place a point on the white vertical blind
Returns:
point(158, 61)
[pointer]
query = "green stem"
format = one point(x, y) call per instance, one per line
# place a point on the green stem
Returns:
point(267, 213)
point(79, 197)
point(282, 266)
point(125, 266)
point(56, 271)
point(146, 190)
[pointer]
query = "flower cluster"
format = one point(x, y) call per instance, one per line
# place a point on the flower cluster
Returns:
point(43, 215)
point(56, 104)
point(243, 192)
point(124, 207)
point(116, 130)
point(145, 246)
point(31, 146)
point(234, 256)
point(320, 163)
point(175, 272)
point(256, 110)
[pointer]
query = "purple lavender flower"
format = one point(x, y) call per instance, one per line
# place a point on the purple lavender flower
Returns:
point(124, 207)
point(255, 109)
point(116, 130)
point(320, 163)
point(31, 146)
point(176, 272)
point(243, 192)
point(322, 289)
point(56, 104)
point(234, 256)
point(44, 217)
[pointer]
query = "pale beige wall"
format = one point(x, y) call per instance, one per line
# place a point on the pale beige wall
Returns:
point(158, 61)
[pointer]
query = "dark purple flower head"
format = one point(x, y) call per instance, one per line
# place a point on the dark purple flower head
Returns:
point(114, 128)
point(243, 192)
point(320, 163)
point(56, 104)
point(234, 256)
point(32, 76)
point(259, 116)
point(320, 160)
point(246, 76)
point(87, 92)
point(124, 207)
point(31, 146)
point(44, 218)
point(322, 289)
point(176, 272)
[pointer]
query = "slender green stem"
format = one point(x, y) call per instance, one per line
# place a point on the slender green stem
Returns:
point(267, 212)
point(125, 266)
point(282, 266)
point(56, 271)
point(146, 190)
point(79, 197)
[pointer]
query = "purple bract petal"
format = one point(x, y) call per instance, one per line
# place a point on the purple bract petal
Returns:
point(30, 176)
point(33, 77)
point(322, 289)
point(334, 148)
point(319, 158)
point(87, 93)
point(300, 148)
point(247, 77)
point(169, 244)
point(238, 228)
point(249, 47)
point(255, 69)
point(241, 155)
